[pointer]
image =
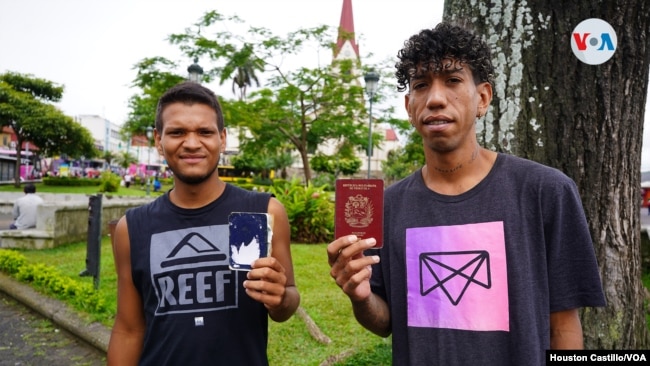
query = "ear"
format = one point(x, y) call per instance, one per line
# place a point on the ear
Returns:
point(484, 91)
point(406, 106)
point(223, 134)
point(156, 140)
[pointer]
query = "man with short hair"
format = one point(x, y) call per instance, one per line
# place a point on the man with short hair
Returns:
point(178, 302)
point(25, 209)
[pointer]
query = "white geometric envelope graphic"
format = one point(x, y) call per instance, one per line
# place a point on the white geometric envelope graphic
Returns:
point(453, 272)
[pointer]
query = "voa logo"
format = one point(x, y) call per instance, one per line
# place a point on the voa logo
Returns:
point(593, 41)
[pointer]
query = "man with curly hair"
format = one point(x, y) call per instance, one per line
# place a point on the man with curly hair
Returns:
point(487, 257)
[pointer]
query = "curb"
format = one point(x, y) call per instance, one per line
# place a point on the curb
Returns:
point(95, 334)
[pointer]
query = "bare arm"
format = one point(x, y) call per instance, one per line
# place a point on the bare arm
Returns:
point(351, 270)
point(271, 281)
point(125, 345)
point(566, 330)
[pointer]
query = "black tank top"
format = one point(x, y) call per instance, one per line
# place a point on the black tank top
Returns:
point(196, 310)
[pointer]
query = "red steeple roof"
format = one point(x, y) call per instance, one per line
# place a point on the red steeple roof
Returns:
point(346, 29)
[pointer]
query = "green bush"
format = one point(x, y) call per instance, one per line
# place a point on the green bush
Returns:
point(310, 211)
point(71, 181)
point(11, 261)
point(262, 181)
point(110, 182)
point(50, 281)
point(325, 180)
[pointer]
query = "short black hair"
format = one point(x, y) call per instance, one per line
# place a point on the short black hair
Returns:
point(427, 49)
point(29, 188)
point(189, 92)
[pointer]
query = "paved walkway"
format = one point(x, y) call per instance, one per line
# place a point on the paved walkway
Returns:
point(26, 338)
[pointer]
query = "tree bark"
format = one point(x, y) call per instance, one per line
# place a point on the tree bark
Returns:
point(586, 120)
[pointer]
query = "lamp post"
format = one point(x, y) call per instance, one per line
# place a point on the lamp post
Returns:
point(83, 171)
point(194, 71)
point(372, 79)
point(146, 171)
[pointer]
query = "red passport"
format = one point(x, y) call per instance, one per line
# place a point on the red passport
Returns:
point(360, 209)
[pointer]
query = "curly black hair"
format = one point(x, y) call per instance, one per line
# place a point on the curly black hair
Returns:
point(427, 50)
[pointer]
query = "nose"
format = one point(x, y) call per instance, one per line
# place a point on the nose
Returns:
point(192, 140)
point(436, 96)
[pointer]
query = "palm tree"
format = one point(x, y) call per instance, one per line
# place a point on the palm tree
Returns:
point(243, 65)
point(108, 156)
point(125, 159)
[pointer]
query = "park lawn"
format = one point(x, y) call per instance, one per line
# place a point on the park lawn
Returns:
point(134, 190)
point(290, 342)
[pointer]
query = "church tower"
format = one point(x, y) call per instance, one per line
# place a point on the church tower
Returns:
point(346, 44)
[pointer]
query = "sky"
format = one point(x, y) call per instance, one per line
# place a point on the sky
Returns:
point(91, 46)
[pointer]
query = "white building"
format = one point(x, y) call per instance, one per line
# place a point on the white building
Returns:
point(105, 133)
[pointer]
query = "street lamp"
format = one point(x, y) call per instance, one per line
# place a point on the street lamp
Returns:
point(372, 79)
point(146, 171)
point(195, 71)
point(83, 159)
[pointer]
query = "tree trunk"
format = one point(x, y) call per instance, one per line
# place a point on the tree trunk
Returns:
point(586, 120)
point(305, 165)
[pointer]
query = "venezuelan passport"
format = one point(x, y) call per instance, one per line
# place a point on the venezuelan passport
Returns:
point(360, 209)
point(250, 235)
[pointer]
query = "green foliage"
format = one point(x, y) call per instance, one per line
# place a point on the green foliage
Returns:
point(310, 210)
point(336, 164)
point(110, 182)
point(124, 159)
point(109, 157)
point(405, 160)
point(325, 180)
point(11, 261)
point(257, 162)
point(51, 281)
point(71, 181)
point(26, 106)
point(155, 75)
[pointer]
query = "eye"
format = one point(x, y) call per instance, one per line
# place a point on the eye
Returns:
point(206, 132)
point(419, 85)
point(454, 80)
point(175, 133)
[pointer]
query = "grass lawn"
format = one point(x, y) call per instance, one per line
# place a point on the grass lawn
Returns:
point(134, 190)
point(289, 342)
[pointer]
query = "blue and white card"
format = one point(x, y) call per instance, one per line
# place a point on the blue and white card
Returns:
point(250, 238)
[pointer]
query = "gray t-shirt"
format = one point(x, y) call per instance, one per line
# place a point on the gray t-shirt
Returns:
point(472, 279)
point(25, 211)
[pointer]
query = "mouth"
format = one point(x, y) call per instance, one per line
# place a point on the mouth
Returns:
point(192, 159)
point(436, 121)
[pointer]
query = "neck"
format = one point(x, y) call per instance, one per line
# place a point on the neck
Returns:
point(457, 174)
point(196, 195)
point(447, 168)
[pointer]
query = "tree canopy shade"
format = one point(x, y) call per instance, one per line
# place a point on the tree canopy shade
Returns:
point(586, 120)
point(25, 106)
